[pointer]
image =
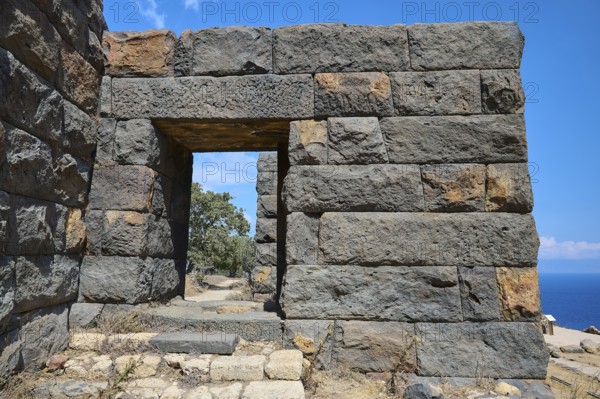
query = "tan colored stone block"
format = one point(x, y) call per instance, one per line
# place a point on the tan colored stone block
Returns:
point(519, 293)
point(79, 81)
point(458, 187)
point(308, 142)
point(76, 232)
point(285, 365)
point(238, 368)
point(148, 53)
point(509, 188)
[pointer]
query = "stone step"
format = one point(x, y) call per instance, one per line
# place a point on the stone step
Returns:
point(196, 342)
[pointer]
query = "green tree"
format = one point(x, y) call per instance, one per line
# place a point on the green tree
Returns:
point(219, 233)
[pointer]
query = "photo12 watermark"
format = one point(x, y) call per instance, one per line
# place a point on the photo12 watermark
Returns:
point(455, 11)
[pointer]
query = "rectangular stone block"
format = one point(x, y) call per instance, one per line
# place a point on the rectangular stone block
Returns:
point(232, 97)
point(106, 142)
point(184, 54)
point(7, 290)
point(313, 337)
point(353, 94)
point(502, 92)
point(396, 293)
point(455, 139)
point(162, 237)
point(124, 233)
point(167, 281)
point(355, 141)
point(80, 131)
point(113, 279)
point(232, 50)
point(308, 142)
point(340, 48)
point(470, 45)
point(437, 93)
point(456, 239)
point(78, 81)
point(509, 188)
point(263, 280)
point(266, 254)
point(122, 188)
point(479, 293)
point(147, 54)
point(454, 187)
point(367, 346)
point(43, 281)
point(302, 241)
point(502, 350)
point(266, 230)
point(266, 180)
point(106, 97)
point(137, 142)
point(267, 206)
point(349, 188)
point(519, 290)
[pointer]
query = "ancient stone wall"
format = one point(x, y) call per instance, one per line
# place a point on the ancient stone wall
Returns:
point(50, 71)
point(264, 275)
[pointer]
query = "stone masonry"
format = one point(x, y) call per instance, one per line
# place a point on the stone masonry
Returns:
point(409, 244)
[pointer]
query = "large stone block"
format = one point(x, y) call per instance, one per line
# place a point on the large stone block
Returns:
point(113, 279)
point(455, 239)
point(233, 50)
point(471, 45)
point(106, 142)
point(355, 141)
point(80, 131)
point(340, 48)
point(137, 142)
point(124, 233)
point(519, 293)
point(454, 139)
point(166, 281)
point(308, 142)
point(502, 350)
point(266, 254)
point(28, 101)
point(263, 280)
point(232, 97)
point(509, 188)
point(314, 338)
point(27, 33)
point(122, 188)
point(267, 206)
point(78, 80)
point(397, 293)
point(163, 235)
point(502, 92)
point(437, 93)
point(7, 291)
point(148, 53)
point(479, 293)
point(266, 230)
point(367, 346)
point(345, 188)
point(454, 187)
point(45, 280)
point(353, 94)
point(36, 336)
point(266, 182)
point(302, 240)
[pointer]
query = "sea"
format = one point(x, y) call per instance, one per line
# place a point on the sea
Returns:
point(573, 299)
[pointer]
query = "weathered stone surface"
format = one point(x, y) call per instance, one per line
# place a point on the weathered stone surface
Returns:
point(353, 94)
point(519, 293)
point(106, 142)
point(5, 227)
point(572, 349)
point(7, 290)
point(285, 365)
point(437, 93)
point(422, 390)
point(267, 206)
point(397, 293)
point(137, 142)
point(502, 92)
point(504, 350)
point(84, 314)
point(375, 347)
point(184, 54)
point(313, 338)
point(75, 231)
point(509, 188)
point(471, 45)
point(473, 239)
point(124, 233)
point(112, 279)
point(78, 80)
point(266, 230)
point(232, 97)
point(479, 293)
point(340, 48)
point(308, 143)
point(164, 236)
point(453, 139)
point(79, 136)
point(590, 346)
point(232, 391)
point(344, 188)
point(266, 181)
point(233, 50)
point(122, 188)
point(454, 187)
point(29, 102)
point(182, 342)
point(45, 280)
point(266, 254)
point(106, 97)
point(274, 390)
point(302, 241)
point(264, 279)
point(238, 368)
point(41, 334)
point(355, 141)
point(148, 53)
point(27, 33)
point(167, 278)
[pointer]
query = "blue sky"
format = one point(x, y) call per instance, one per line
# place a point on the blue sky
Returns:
point(560, 75)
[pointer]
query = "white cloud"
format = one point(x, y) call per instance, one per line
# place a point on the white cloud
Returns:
point(149, 9)
point(193, 4)
point(552, 249)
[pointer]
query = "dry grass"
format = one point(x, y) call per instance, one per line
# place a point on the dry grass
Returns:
point(580, 384)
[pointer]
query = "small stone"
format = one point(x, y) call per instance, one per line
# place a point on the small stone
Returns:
point(571, 349)
point(229, 392)
point(592, 330)
point(505, 389)
point(102, 368)
point(274, 390)
point(197, 366)
point(238, 368)
point(56, 362)
point(590, 346)
point(174, 360)
point(422, 390)
point(554, 351)
point(285, 365)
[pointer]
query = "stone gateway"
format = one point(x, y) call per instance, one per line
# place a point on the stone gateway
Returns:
point(395, 225)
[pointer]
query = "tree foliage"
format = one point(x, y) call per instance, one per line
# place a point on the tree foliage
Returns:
point(218, 233)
